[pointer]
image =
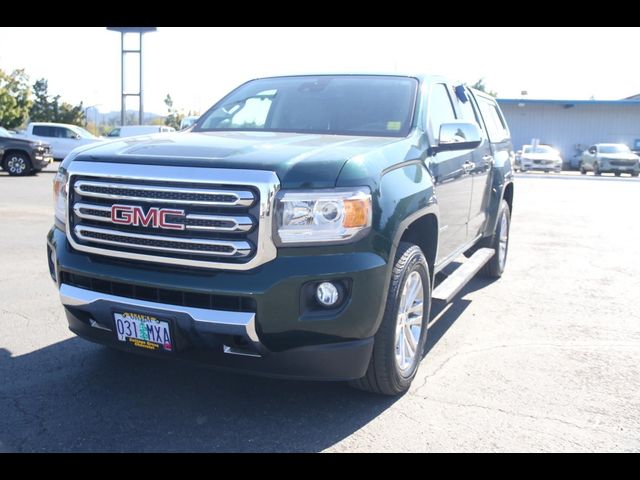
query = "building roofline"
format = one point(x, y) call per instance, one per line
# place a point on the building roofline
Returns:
point(570, 103)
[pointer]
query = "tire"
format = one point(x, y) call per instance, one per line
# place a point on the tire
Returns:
point(635, 174)
point(495, 267)
point(596, 169)
point(17, 164)
point(617, 174)
point(582, 170)
point(390, 370)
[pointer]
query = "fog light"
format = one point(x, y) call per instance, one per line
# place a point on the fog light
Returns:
point(327, 294)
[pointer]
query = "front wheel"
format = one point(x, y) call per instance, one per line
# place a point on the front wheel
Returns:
point(500, 243)
point(17, 164)
point(596, 169)
point(399, 342)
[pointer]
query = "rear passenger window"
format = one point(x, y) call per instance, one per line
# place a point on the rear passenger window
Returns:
point(440, 109)
point(496, 128)
point(42, 131)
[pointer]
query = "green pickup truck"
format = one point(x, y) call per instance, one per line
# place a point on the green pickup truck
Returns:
point(295, 230)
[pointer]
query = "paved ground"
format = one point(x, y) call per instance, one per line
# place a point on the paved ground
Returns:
point(545, 359)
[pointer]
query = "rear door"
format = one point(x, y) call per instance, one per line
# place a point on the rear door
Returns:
point(480, 169)
point(48, 134)
point(452, 181)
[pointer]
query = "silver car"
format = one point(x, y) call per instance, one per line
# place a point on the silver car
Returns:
point(614, 158)
point(539, 157)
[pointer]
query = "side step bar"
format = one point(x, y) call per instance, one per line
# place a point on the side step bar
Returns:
point(450, 287)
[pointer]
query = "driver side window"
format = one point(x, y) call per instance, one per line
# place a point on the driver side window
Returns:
point(66, 133)
point(440, 110)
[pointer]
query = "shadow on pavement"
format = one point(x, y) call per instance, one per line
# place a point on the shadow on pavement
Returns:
point(443, 317)
point(77, 396)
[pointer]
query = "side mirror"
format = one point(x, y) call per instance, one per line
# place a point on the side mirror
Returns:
point(592, 150)
point(458, 136)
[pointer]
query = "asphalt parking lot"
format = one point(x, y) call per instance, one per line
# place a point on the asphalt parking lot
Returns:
point(545, 359)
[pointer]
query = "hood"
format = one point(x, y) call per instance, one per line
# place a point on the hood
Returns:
point(620, 156)
point(24, 141)
point(542, 156)
point(299, 160)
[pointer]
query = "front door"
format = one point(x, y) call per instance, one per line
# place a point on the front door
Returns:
point(450, 172)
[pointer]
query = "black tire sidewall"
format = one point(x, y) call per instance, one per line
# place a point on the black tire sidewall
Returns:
point(415, 262)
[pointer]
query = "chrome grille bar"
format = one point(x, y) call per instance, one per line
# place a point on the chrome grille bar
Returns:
point(159, 194)
point(210, 223)
point(218, 248)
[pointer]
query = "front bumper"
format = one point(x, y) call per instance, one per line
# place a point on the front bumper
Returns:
point(548, 167)
point(607, 167)
point(40, 161)
point(278, 338)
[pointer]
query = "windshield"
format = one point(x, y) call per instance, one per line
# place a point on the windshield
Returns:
point(4, 132)
point(82, 132)
point(538, 149)
point(614, 149)
point(335, 105)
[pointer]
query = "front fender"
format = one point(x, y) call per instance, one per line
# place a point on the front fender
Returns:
point(406, 194)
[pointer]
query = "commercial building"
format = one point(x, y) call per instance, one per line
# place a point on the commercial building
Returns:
point(572, 125)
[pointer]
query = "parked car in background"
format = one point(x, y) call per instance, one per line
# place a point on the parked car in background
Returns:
point(21, 156)
point(133, 130)
point(61, 136)
point(539, 157)
point(614, 158)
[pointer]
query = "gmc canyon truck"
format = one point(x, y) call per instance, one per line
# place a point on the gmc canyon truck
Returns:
point(295, 230)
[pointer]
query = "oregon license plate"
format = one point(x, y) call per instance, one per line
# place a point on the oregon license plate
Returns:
point(143, 331)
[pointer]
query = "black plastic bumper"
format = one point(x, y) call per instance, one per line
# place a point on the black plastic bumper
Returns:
point(335, 361)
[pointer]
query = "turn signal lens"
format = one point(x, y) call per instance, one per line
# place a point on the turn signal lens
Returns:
point(357, 212)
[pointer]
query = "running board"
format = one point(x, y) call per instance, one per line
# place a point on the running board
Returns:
point(450, 287)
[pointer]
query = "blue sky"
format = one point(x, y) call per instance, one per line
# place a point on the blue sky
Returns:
point(199, 65)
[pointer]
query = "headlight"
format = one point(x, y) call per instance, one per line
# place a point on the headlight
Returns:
point(60, 191)
point(315, 216)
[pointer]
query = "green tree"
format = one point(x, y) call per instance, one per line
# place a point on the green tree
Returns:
point(479, 85)
point(51, 109)
point(174, 117)
point(15, 98)
point(42, 108)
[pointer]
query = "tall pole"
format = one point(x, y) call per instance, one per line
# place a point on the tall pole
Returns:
point(123, 103)
point(140, 120)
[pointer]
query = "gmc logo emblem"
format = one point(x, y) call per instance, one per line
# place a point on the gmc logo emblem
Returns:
point(155, 217)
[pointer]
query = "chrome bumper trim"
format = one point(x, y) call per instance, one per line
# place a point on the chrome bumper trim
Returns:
point(205, 320)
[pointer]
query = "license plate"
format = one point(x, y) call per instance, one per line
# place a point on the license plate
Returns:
point(143, 331)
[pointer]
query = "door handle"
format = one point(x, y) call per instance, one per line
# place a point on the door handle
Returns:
point(468, 166)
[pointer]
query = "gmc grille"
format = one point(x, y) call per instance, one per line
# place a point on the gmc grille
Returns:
point(210, 217)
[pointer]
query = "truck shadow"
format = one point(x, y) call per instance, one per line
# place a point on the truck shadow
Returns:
point(77, 396)
point(444, 316)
